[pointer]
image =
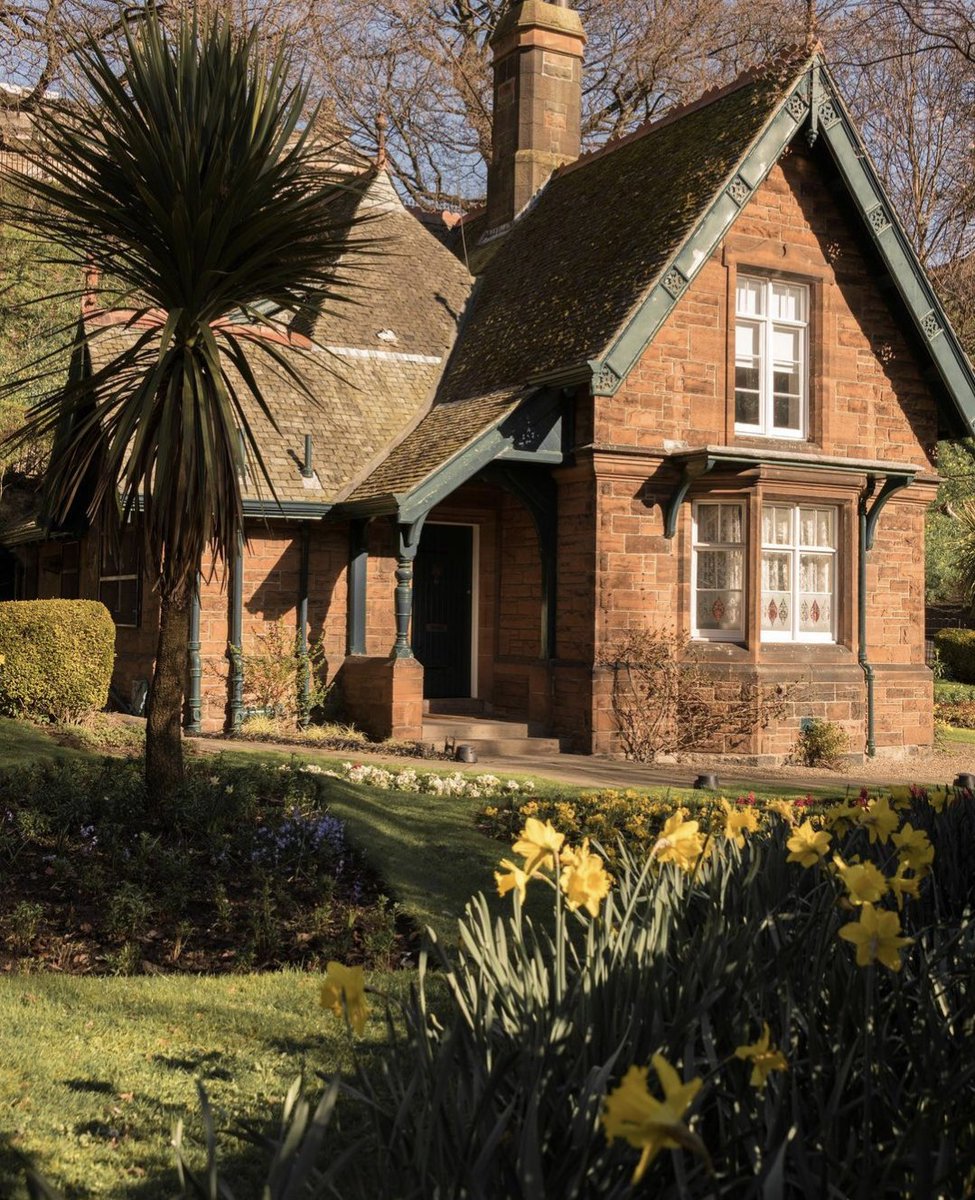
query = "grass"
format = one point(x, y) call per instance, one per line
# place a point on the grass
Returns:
point(94, 1072)
point(947, 736)
point(22, 743)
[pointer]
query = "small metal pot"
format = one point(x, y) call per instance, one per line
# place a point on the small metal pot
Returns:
point(465, 754)
point(707, 781)
point(965, 782)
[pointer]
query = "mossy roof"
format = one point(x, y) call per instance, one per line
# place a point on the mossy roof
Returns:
point(555, 289)
point(575, 265)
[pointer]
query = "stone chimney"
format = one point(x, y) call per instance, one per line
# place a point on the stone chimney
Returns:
point(537, 49)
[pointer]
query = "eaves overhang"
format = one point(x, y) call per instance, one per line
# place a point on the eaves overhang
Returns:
point(294, 510)
point(533, 433)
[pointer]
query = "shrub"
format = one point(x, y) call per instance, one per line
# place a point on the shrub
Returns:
point(283, 678)
point(953, 693)
point(820, 744)
point(956, 649)
point(667, 701)
point(57, 658)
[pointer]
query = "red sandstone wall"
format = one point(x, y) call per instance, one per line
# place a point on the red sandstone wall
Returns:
point(868, 400)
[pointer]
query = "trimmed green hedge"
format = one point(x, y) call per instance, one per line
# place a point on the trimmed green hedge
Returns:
point(946, 692)
point(956, 649)
point(57, 658)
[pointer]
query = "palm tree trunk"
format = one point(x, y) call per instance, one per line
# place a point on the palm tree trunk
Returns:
point(164, 732)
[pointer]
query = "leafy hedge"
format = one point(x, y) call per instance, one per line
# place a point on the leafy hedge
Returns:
point(956, 649)
point(57, 658)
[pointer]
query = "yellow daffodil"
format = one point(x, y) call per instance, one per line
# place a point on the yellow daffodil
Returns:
point(539, 844)
point(842, 817)
point(807, 845)
point(876, 937)
point(737, 822)
point(764, 1058)
point(584, 879)
point(914, 848)
point(901, 886)
point(344, 990)
point(680, 842)
point(783, 809)
point(938, 798)
point(649, 1124)
point(879, 820)
point(513, 880)
point(863, 882)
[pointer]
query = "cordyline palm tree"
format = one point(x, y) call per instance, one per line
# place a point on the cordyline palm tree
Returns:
point(186, 178)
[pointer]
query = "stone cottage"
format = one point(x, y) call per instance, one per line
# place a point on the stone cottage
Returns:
point(690, 381)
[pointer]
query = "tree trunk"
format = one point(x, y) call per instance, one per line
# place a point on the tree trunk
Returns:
point(164, 726)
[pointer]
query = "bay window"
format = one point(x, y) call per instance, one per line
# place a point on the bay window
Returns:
point(796, 560)
point(771, 373)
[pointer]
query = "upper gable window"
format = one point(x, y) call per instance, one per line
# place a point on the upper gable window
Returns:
point(771, 376)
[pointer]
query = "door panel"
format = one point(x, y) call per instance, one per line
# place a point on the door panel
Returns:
point(442, 609)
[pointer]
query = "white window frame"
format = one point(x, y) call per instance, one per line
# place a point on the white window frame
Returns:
point(796, 549)
point(719, 635)
point(767, 325)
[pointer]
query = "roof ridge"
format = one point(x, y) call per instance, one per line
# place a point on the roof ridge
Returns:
point(784, 57)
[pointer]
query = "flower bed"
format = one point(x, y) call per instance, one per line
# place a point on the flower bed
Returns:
point(433, 783)
point(246, 868)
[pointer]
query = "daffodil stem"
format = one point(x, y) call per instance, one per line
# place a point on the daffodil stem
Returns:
point(868, 1018)
point(559, 937)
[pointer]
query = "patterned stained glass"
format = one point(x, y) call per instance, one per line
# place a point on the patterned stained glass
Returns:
point(798, 572)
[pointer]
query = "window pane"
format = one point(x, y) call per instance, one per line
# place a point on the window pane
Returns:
point(776, 572)
point(785, 345)
point(731, 523)
point(776, 525)
point(718, 610)
point(815, 573)
point(749, 297)
point(786, 412)
point(719, 569)
point(709, 522)
point(747, 342)
point(746, 408)
point(787, 302)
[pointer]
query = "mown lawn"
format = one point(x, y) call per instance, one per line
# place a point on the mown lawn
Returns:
point(94, 1072)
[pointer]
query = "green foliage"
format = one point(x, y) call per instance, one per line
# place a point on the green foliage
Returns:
point(945, 533)
point(283, 679)
point(820, 744)
point(610, 816)
point(232, 875)
point(948, 692)
point(498, 1091)
point(956, 648)
point(58, 657)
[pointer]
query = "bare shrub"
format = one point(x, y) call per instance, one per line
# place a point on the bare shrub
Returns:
point(666, 700)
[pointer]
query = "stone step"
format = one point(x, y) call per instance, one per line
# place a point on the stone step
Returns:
point(463, 729)
point(502, 747)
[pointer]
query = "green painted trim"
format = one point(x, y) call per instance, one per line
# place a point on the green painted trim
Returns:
point(543, 411)
point(298, 509)
point(194, 706)
point(701, 243)
point(897, 253)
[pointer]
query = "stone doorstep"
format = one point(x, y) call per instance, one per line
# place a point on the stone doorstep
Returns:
point(486, 736)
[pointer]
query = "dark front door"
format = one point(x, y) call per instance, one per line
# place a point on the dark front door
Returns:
point(442, 609)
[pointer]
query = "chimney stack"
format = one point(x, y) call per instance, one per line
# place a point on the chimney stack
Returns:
point(537, 55)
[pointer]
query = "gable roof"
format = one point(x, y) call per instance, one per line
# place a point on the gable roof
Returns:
point(584, 278)
point(582, 255)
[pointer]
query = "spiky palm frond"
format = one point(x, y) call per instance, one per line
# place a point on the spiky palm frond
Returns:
point(188, 179)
